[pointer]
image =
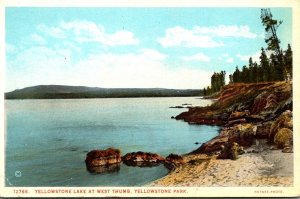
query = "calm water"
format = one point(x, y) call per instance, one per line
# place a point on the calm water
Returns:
point(47, 140)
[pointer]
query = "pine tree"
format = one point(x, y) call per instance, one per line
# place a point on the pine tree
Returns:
point(237, 75)
point(264, 62)
point(271, 25)
point(276, 74)
point(288, 60)
point(256, 74)
point(251, 70)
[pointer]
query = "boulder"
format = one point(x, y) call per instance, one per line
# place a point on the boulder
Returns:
point(173, 160)
point(142, 159)
point(231, 151)
point(287, 148)
point(96, 158)
point(283, 138)
point(263, 130)
point(243, 134)
point(285, 120)
point(214, 144)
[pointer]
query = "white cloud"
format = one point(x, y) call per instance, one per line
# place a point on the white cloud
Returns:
point(203, 37)
point(179, 36)
point(229, 60)
point(226, 31)
point(255, 57)
point(145, 68)
point(86, 31)
point(55, 32)
point(38, 39)
point(196, 57)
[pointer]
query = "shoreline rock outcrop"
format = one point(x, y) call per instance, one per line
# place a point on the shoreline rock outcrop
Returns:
point(142, 159)
point(173, 160)
point(247, 112)
point(103, 160)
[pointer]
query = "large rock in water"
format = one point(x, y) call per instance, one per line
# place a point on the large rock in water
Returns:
point(96, 158)
point(142, 159)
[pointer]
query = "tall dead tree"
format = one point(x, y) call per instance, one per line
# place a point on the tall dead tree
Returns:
point(271, 25)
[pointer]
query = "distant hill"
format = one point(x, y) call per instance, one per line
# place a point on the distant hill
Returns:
point(68, 92)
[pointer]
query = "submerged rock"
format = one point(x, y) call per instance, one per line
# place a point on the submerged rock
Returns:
point(142, 159)
point(177, 107)
point(104, 158)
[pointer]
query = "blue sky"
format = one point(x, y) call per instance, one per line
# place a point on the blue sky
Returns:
point(132, 47)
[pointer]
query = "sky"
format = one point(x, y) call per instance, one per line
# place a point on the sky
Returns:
point(132, 47)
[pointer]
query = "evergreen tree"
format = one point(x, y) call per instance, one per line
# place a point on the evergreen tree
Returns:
point(271, 25)
point(245, 74)
point(264, 62)
point(217, 81)
point(256, 74)
point(236, 75)
point(288, 60)
point(204, 92)
point(251, 70)
point(276, 69)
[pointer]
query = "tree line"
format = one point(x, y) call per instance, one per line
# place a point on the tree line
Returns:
point(269, 69)
point(277, 67)
point(217, 81)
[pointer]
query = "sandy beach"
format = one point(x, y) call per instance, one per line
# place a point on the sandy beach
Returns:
point(259, 166)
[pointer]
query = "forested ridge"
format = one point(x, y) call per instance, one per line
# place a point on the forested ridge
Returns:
point(278, 66)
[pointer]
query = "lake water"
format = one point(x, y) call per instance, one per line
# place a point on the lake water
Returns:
point(47, 140)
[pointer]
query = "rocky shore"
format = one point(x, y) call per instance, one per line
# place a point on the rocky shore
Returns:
point(255, 145)
point(108, 160)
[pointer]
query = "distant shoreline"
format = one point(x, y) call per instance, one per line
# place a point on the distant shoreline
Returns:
point(81, 92)
point(101, 98)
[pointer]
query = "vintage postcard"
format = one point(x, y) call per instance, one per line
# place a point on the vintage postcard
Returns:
point(140, 98)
